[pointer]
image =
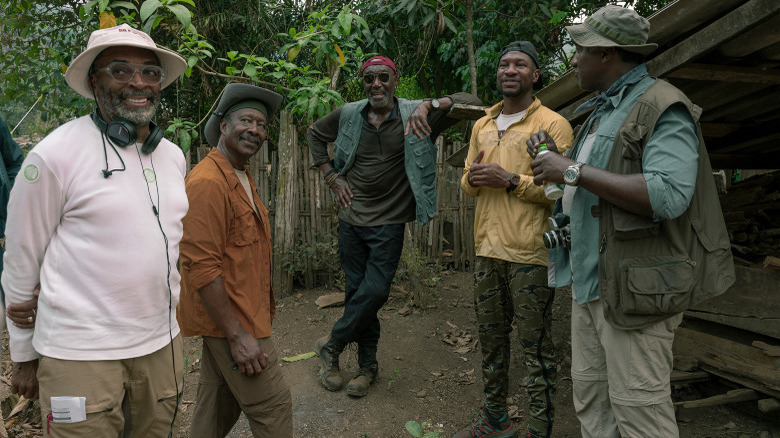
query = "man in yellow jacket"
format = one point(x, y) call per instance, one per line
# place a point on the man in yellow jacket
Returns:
point(510, 273)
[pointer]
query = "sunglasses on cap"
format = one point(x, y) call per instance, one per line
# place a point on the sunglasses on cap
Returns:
point(123, 72)
point(370, 77)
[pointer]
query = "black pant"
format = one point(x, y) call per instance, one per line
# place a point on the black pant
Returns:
point(369, 257)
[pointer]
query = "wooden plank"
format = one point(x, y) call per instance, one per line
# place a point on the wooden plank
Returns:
point(726, 73)
point(733, 396)
point(720, 352)
point(752, 303)
point(287, 208)
point(466, 112)
point(769, 405)
point(689, 376)
point(667, 24)
point(764, 35)
point(743, 161)
point(722, 30)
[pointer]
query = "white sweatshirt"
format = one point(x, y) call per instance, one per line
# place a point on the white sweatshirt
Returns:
point(95, 246)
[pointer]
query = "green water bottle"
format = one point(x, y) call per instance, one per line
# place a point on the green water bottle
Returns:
point(551, 190)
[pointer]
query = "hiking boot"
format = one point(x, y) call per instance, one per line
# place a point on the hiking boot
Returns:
point(481, 427)
point(358, 387)
point(330, 375)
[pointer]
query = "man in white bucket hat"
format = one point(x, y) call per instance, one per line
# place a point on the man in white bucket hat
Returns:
point(95, 218)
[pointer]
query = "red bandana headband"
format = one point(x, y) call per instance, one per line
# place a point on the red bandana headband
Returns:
point(378, 60)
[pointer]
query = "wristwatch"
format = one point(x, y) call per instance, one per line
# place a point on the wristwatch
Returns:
point(435, 104)
point(571, 176)
point(514, 181)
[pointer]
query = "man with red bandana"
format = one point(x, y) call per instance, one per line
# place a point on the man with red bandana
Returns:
point(382, 175)
point(95, 218)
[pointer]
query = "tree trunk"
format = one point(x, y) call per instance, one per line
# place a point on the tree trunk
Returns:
point(470, 44)
point(286, 217)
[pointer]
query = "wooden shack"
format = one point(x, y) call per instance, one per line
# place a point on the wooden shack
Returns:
point(725, 55)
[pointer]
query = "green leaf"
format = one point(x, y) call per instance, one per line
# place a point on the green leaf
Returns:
point(293, 52)
point(182, 14)
point(414, 428)
point(189, 2)
point(345, 20)
point(450, 24)
point(148, 8)
point(250, 70)
point(302, 356)
point(184, 140)
point(192, 60)
point(361, 21)
point(126, 5)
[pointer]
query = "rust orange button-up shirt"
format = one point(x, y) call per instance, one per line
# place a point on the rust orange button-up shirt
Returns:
point(224, 236)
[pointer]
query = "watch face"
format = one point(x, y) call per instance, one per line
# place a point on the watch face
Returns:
point(570, 175)
point(435, 104)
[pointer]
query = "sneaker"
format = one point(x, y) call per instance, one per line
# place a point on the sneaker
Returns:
point(358, 387)
point(330, 374)
point(481, 427)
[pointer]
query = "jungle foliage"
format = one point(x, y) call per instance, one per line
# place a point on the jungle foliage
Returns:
point(308, 50)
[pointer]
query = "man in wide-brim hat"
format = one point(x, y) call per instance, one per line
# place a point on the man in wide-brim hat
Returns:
point(226, 275)
point(642, 204)
point(97, 222)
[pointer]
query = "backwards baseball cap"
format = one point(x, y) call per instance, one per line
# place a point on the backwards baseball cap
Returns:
point(379, 60)
point(77, 74)
point(614, 26)
point(239, 96)
point(527, 48)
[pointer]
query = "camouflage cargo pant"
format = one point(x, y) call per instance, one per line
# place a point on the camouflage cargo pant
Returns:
point(503, 292)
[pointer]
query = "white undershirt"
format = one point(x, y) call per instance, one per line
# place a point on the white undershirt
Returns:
point(503, 121)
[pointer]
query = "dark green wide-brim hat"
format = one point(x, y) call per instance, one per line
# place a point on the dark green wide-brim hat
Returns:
point(614, 26)
point(234, 94)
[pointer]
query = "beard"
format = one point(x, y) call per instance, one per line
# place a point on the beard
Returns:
point(112, 104)
point(514, 93)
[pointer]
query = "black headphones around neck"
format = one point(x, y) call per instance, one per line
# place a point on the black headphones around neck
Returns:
point(123, 133)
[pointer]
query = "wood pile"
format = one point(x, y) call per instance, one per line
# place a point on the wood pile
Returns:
point(751, 209)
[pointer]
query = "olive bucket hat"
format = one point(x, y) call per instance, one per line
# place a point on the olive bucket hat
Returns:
point(240, 95)
point(614, 26)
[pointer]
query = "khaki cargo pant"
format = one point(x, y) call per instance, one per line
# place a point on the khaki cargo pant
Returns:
point(148, 382)
point(620, 378)
point(224, 392)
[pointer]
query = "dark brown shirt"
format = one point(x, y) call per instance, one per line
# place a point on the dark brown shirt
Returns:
point(382, 194)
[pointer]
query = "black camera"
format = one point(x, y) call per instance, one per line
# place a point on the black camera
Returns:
point(560, 232)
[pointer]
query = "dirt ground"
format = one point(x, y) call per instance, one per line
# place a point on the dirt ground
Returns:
point(428, 371)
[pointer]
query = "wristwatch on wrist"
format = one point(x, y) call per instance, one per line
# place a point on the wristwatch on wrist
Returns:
point(435, 104)
point(571, 176)
point(514, 181)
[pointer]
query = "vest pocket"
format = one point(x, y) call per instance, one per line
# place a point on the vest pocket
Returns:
point(656, 285)
point(630, 226)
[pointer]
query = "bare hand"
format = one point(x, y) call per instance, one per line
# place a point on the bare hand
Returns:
point(249, 357)
point(24, 380)
point(488, 174)
point(418, 121)
point(537, 138)
point(343, 192)
point(23, 315)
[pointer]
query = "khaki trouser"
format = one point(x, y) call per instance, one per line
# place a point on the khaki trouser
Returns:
point(224, 392)
point(620, 378)
point(147, 380)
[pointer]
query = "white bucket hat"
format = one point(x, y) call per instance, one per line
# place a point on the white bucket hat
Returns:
point(123, 35)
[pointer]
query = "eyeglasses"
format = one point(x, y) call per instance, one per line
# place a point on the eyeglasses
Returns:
point(124, 72)
point(370, 77)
